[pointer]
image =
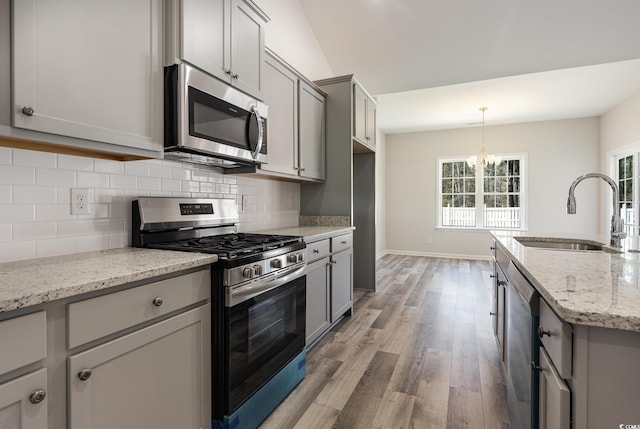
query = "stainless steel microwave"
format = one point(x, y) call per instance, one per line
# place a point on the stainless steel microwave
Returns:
point(206, 121)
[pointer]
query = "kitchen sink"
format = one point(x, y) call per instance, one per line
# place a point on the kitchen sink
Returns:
point(564, 244)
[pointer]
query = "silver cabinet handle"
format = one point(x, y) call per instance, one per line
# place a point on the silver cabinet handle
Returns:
point(85, 374)
point(535, 367)
point(491, 313)
point(235, 75)
point(37, 396)
point(28, 110)
point(228, 71)
point(343, 242)
point(316, 251)
point(158, 301)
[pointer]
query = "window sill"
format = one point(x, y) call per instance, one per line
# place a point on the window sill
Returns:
point(462, 229)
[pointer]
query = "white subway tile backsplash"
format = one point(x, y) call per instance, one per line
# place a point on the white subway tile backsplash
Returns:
point(54, 177)
point(34, 231)
point(5, 194)
point(33, 194)
point(17, 250)
point(136, 168)
point(78, 163)
point(123, 182)
point(46, 212)
point(35, 213)
point(16, 175)
point(158, 170)
point(171, 185)
point(5, 232)
point(85, 179)
point(32, 158)
point(5, 156)
point(15, 213)
point(108, 166)
point(75, 227)
point(55, 247)
point(150, 183)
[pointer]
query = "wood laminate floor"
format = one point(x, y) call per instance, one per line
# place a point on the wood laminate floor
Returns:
point(418, 353)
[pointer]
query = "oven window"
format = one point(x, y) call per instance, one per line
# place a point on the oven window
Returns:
point(214, 119)
point(265, 333)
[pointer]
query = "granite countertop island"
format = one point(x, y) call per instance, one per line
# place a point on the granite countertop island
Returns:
point(36, 281)
point(593, 288)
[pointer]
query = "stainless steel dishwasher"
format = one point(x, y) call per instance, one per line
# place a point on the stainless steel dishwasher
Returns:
point(522, 354)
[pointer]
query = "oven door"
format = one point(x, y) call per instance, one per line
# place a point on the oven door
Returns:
point(264, 332)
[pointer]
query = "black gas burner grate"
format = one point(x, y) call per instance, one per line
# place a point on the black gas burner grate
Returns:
point(231, 246)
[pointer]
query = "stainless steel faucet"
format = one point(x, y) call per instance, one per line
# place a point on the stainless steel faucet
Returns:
point(617, 223)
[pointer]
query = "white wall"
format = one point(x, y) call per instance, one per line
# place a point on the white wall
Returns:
point(558, 152)
point(289, 35)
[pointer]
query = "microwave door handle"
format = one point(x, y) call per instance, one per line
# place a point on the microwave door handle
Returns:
point(254, 111)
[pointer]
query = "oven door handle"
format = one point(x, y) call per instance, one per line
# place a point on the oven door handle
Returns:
point(243, 293)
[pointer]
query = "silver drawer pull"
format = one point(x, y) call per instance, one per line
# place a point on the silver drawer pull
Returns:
point(316, 251)
point(343, 242)
point(85, 374)
point(37, 396)
point(158, 301)
point(535, 367)
point(28, 110)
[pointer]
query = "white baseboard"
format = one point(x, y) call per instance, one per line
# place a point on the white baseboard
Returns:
point(438, 255)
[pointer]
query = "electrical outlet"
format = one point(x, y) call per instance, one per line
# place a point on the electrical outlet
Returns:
point(80, 201)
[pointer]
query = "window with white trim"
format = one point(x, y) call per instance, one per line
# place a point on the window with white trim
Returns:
point(477, 197)
point(624, 170)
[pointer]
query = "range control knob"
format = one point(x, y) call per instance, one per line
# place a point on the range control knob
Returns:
point(300, 257)
point(276, 263)
point(257, 270)
point(247, 273)
point(293, 258)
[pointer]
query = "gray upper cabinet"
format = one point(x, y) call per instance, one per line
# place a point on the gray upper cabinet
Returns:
point(364, 120)
point(89, 70)
point(311, 126)
point(296, 124)
point(222, 37)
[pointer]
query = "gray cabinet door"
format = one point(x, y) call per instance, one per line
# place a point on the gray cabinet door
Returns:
point(22, 404)
point(311, 129)
point(247, 48)
point(341, 283)
point(318, 317)
point(555, 396)
point(157, 377)
point(370, 135)
point(204, 29)
point(501, 282)
point(91, 70)
point(281, 95)
point(359, 113)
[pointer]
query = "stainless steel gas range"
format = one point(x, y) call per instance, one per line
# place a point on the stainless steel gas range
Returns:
point(258, 294)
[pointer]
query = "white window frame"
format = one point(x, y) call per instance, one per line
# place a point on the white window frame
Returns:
point(524, 193)
point(613, 156)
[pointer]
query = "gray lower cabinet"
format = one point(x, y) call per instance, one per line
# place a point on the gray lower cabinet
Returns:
point(156, 377)
point(318, 313)
point(554, 396)
point(341, 283)
point(23, 402)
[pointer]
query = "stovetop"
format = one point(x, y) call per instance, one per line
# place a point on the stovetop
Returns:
point(234, 245)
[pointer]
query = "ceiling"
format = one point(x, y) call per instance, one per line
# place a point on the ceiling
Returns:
point(433, 64)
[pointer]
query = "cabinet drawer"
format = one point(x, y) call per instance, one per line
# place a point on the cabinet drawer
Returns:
point(554, 396)
point(502, 259)
point(96, 317)
point(24, 341)
point(555, 336)
point(341, 242)
point(318, 250)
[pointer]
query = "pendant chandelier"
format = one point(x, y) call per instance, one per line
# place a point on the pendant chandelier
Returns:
point(485, 159)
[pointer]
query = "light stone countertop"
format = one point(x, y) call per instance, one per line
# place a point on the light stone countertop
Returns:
point(36, 281)
point(583, 287)
point(310, 233)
